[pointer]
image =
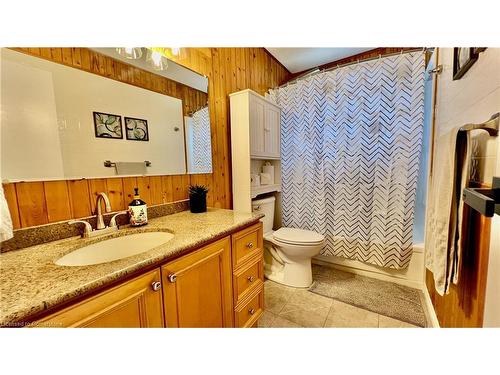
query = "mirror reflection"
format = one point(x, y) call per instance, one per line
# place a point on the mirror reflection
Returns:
point(59, 122)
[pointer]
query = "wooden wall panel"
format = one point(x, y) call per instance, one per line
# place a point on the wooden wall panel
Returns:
point(167, 189)
point(129, 183)
point(228, 70)
point(79, 198)
point(57, 201)
point(156, 190)
point(96, 186)
point(464, 305)
point(145, 188)
point(11, 197)
point(31, 203)
point(115, 193)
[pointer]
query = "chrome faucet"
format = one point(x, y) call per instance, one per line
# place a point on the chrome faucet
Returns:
point(99, 217)
point(101, 228)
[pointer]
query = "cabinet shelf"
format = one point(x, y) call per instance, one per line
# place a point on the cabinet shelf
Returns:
point(263, 189)
point(257, 157)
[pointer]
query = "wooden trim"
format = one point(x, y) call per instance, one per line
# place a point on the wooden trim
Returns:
point(464, 305)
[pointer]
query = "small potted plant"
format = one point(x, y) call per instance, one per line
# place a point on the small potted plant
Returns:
point(198, 198)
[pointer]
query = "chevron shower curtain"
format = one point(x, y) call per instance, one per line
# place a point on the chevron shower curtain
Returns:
point(199, 142)
point(351, 142)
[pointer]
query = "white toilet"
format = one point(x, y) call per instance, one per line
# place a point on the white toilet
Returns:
point(288, 251)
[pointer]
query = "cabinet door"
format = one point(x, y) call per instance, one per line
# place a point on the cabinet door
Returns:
point(257, 121)
point(133, 304)
point(272, 131)
point(198, 288)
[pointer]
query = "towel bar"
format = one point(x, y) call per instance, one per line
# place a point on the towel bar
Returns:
point(491, 126)
point(485, 201)
point(111, 164)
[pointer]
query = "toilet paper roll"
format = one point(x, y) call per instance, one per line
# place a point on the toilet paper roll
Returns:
point(269, 169)
point(265, 179)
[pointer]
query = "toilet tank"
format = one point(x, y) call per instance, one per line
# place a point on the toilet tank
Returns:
point(265, 206)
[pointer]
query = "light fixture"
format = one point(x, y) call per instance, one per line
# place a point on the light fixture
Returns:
point(175, 51)
point(157, 60)
point(132, 53)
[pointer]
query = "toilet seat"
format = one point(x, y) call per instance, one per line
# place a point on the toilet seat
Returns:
point(297, 237)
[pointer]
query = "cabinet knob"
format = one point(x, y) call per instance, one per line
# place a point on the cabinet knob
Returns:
point(156, 285)
point(249, 245)
point(251, 311)
point(250, 279)
point(172, 278)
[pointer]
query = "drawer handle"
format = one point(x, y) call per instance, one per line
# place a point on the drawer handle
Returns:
point(249, 245)
point(250, 279)
point(172, 278)
point(156, 285)
point(251, 311)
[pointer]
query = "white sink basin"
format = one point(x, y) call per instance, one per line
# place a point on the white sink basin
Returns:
point(114, 248)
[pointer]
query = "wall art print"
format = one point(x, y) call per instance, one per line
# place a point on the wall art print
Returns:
point(107, 125)
point(463, 59)
point(136, 129)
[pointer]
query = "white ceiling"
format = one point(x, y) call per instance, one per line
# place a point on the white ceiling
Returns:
point(300, 59)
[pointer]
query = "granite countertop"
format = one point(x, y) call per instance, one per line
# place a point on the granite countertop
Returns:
point(32, 283)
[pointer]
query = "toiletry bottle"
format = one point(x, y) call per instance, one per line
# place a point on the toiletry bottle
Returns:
point(138, 210)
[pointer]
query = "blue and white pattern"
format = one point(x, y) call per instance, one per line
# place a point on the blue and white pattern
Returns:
point(350, 143)
point(199, 142)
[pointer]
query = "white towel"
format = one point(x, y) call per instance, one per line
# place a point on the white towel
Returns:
point(445, 208)
point(5, 219)
point(130, 168)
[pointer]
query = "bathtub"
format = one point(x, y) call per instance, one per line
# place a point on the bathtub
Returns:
point(412, 276)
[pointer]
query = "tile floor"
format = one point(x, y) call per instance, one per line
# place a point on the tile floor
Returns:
point(286, 307)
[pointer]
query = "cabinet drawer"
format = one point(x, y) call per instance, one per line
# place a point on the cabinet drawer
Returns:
point(247, 244)
point(250, 312)
point(248, 278)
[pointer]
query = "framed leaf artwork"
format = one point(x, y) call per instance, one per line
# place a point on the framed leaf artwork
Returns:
point(107, 125)
point(136, 129)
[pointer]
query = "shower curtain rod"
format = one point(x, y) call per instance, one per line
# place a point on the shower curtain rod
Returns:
point(318, 70)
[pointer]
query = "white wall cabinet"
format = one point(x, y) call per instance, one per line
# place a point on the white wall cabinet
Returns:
point(264, 129)
point(255, 138)
point(272, 131)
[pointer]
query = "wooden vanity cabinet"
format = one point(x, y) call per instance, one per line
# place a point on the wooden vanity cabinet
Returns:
point(197, 288)
point(136, 303)
point(218, 285)
point(248, 275)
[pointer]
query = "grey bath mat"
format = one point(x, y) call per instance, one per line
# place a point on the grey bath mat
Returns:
point(382, 297)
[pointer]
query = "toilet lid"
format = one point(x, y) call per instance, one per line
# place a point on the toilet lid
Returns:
point(296, 236)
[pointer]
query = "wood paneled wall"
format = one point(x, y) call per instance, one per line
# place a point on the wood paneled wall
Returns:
point(464, 305)
point(228, 70)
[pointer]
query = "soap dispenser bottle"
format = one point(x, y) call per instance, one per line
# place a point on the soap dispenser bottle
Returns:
point(138, 210)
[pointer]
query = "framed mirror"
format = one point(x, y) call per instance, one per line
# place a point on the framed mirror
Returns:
point(59, 122)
